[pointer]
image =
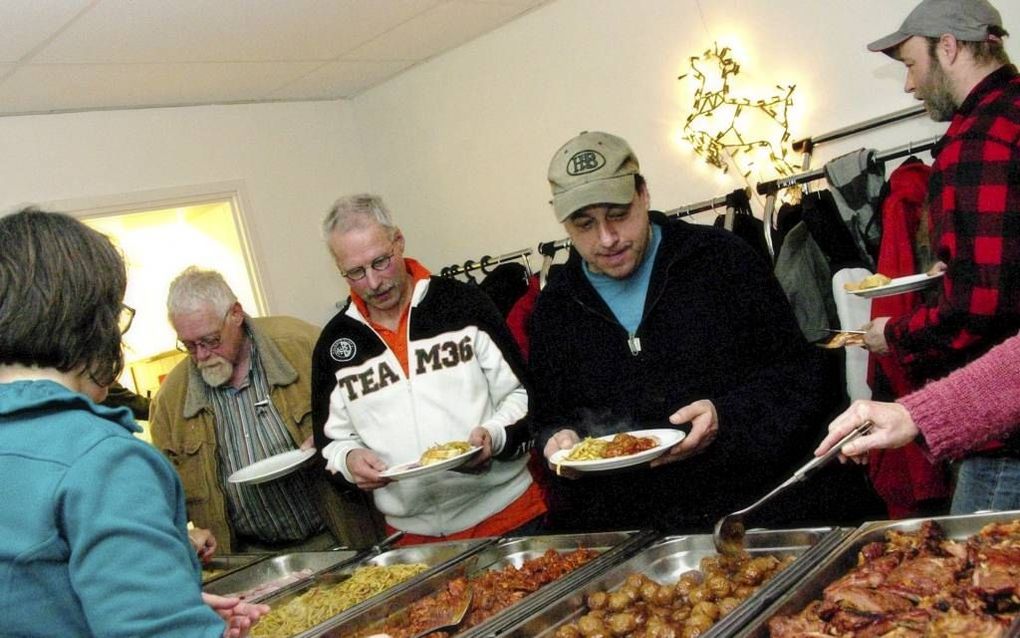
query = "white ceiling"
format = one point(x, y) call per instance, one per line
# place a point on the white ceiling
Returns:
point(72, 55)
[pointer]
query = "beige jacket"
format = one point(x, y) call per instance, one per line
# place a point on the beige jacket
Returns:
point(183, 421)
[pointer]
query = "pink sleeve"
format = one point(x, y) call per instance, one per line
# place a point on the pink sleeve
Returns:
point(975, 404)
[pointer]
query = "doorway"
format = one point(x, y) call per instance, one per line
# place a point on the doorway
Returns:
point(157, 244)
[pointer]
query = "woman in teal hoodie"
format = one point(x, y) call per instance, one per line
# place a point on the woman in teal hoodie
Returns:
point(92, 520)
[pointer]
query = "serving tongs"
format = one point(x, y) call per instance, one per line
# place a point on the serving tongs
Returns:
point(729, 531)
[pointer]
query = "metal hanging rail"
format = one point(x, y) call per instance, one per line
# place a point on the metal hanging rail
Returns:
point(487, 262)
point(549, 248)
point(771, 186)
point(701, 207)
point(807, 144)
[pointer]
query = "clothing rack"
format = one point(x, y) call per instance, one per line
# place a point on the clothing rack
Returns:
point(550, 248)
point(772, 187)
point(807, 144)
point(487, 262)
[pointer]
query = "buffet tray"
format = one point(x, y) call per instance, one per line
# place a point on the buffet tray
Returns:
point(227, 564)
point(275, 568)
point(438, 556)
point(666, 560)
point(613, 546)
point(844, 557)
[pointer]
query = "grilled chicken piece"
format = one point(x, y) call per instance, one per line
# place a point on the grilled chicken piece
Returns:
point(870, 574)
point(955, 625)
point(797, 627)
point(924, 576)
point(864, 601)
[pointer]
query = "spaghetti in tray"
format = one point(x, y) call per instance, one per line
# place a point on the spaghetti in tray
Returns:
point(323, 601)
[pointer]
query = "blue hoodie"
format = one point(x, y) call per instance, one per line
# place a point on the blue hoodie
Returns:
point(93, 538)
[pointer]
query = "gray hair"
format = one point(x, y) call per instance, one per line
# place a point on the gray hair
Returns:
point(357, 211)
point(196, 289)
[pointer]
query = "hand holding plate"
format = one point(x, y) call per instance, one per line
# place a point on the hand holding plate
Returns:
point(562, 440)
point(365, 465)
point(704, 422)
point(874, 336)
point(481, 462)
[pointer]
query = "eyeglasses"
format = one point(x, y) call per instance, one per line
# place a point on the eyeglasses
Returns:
point(127, 315)
point(208, 343)
point(359, 272)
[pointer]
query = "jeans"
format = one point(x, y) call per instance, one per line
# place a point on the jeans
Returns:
point(987, 483)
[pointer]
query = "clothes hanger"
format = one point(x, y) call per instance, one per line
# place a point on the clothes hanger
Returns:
point(468, 265)
point(527, 266)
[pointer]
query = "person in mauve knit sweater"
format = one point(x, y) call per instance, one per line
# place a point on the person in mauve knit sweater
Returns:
point(973, 405)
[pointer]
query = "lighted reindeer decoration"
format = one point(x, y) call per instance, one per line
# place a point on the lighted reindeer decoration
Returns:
point(729, 142)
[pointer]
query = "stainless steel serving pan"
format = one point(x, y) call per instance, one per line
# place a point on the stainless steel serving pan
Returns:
point(612, 546)
point(844, 557)
point(275, 568)
point(226, 564)
point(666, 560)
point(438, 556)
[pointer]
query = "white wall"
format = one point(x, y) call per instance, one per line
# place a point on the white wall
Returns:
point(459, 146)
point(293, 159)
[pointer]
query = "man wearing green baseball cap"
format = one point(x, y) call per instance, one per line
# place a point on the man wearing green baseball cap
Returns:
point(957, 65)
point(655, 323)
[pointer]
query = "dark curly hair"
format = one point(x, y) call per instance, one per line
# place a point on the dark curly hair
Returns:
point(61, 291)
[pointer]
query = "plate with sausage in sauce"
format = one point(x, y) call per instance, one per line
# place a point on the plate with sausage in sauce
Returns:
point(615, 451)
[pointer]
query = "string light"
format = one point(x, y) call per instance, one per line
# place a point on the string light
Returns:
point(717, 126)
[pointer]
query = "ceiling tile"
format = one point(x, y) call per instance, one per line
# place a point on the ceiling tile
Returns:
point(40, 88)
point(128, 31)
point(342, 79)
point(444, 27)
point(29, 23)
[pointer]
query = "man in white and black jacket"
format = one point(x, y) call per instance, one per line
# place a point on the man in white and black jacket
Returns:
point(412, 361)
point(658, 323)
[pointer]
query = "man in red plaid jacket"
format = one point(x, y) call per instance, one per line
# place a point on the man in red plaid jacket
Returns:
point(957, 65)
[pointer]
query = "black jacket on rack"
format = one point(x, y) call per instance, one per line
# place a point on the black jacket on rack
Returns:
point(505, 284)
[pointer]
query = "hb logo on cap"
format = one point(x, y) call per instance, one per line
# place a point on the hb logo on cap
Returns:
point(584, 162)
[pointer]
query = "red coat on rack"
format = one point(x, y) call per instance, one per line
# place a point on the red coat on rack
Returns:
point(905, 478)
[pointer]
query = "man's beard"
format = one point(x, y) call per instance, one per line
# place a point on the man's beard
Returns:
point(937, 94)
point(216, 371)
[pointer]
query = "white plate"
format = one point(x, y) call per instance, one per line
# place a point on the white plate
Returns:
point(899, 286)
point(415, 469)
point(272, 468)
point(667, 438)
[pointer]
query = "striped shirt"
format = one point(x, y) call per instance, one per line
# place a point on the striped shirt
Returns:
point(249, 429)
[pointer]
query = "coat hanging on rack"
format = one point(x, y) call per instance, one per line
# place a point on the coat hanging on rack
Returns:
point(856, 180)
point(743, 222)
point(505, 284)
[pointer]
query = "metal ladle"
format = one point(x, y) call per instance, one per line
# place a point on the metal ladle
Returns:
point(729, 531)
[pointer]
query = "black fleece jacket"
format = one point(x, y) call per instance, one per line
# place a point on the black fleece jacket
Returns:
point(716, 326)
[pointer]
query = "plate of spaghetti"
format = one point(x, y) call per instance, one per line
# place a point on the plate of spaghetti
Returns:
point(437, 458)
point(615, 451)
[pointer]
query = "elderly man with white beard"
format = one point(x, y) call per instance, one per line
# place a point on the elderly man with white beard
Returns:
point(243, 395)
